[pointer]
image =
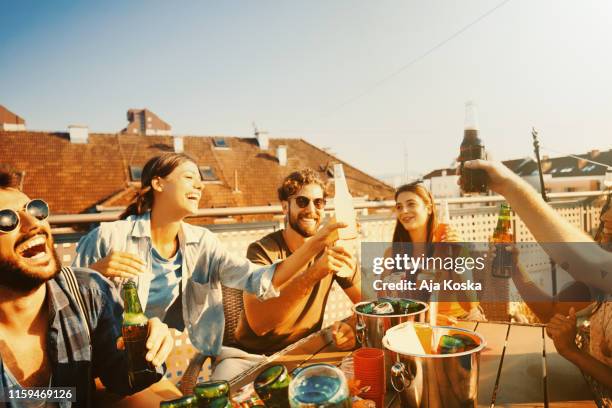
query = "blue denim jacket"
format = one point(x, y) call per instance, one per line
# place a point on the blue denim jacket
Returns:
point(206, 266)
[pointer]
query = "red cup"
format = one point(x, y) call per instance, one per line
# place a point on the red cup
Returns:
point(370, 371)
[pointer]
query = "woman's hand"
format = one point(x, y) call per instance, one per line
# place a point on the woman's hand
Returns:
point(159, 342)
point(451, 235)
point(562, 330)
point(120, 265)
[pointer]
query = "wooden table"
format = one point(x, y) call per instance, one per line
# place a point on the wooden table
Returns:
point(519, 367)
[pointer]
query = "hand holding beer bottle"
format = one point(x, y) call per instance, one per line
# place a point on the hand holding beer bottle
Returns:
point(147, 342)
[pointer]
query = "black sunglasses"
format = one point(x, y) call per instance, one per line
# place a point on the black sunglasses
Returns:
point(303, 202)
point(9, 219)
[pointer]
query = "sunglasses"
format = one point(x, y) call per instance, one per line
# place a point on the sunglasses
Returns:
point(10, 220)
point(303, 202)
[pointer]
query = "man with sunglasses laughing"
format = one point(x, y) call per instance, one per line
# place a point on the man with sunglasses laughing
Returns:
point(271, 325)
point(50, 337)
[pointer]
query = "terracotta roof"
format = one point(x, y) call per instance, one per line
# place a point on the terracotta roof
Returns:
point(74, 178)
point(6, 116)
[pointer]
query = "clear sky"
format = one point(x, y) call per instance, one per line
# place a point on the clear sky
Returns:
point(211, 68)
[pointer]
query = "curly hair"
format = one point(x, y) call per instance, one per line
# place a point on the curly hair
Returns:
point(298, 179)
point(8, 177)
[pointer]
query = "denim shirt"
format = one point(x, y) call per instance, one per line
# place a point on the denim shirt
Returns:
point(206, 266)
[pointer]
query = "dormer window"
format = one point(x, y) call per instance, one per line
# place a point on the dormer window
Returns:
point(208, 173)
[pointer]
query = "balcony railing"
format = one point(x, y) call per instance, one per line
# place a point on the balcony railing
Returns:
point(474, 218)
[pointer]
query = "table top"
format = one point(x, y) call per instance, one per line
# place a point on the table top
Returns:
point(519, 367)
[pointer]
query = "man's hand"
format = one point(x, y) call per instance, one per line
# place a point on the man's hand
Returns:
point(120, 265)
point(500, 177)
point(159, 342)
point(562, 330)
point(328, 235)
point(333, 260)
point(343, 336)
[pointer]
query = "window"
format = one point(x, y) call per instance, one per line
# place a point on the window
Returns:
point(588, 168)
point(208, 174)
point(220, 142)
point(135, 173)
point(567, 169)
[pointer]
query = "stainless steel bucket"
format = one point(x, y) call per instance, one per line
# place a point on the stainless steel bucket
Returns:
point(435, 380)
point(371, 328)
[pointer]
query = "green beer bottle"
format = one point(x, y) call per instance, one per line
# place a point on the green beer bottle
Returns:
point(213, 394)
point(183, 402)
point(135, 330)
point(503, 264)
point(272, 386)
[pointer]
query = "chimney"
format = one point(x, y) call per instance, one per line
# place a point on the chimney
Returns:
point(581, 163)
point(545, 157)
point(178, 144)
point(262, 138)
point(145, 122)
point(281, 154)
point(78, 134)
point(594, 153)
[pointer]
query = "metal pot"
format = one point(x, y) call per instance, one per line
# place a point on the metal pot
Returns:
point(435, 380)
point(371, 328)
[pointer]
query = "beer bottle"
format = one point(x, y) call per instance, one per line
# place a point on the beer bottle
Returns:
point(213, 394)
point(503, 262)
point(472, 180)
point(135, 330)
point(343, 205)
point(272, 386)
point(345, 212)
point(184, 402)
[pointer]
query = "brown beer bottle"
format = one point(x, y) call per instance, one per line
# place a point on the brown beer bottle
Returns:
point(503, 262)
point(472, 180)
point(135, 330)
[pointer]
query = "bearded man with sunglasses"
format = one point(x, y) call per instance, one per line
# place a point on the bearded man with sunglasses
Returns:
point(49, 336)
point(271, 325)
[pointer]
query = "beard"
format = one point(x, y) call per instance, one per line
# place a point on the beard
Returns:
point(15, 277)
point(294, 222)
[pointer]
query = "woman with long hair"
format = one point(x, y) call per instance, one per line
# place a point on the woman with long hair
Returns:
point(178, 267)
point(416, 229)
